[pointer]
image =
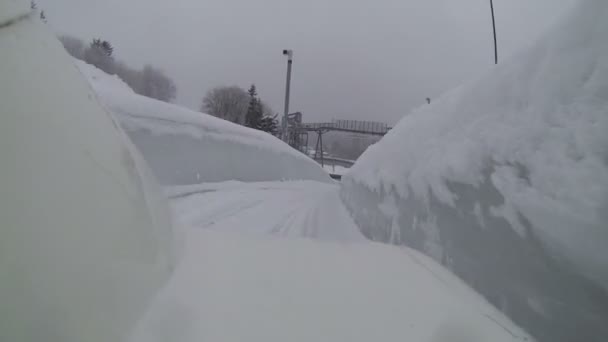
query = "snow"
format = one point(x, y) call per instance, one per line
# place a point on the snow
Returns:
point(283, 261)
point(185, 147)
point(85, 238)
point(13, 10)
point(509, 172)
point(301, 209)
point(101, 81)
point(86, 242)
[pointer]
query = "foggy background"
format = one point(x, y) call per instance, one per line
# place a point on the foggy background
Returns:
point(354, 59)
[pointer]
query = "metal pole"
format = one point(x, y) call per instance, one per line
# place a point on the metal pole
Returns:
point(289, 55)
point(494, 27)
point(321, 138)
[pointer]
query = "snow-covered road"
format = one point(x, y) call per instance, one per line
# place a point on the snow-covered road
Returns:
point(283, 261)
point(296, 209)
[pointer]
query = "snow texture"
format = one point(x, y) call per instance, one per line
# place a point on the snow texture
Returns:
point(13, 11)
point(185, 147)
point(86, 241)
point(247, 274)
point(292, 209)
point(85, 238)
point(505, 181)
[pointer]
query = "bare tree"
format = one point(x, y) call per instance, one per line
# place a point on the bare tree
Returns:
point(156, 84)
point(130, 76)
point(73, 45)
point(228, 103)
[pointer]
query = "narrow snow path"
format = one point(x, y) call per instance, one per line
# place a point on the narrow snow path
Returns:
point(283, 261)
point(296, 209)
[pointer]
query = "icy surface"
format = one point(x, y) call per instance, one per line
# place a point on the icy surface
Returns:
point(505, 181)
point(85, 235)
point(247, 274)
point(301, 209)
point(185, 147)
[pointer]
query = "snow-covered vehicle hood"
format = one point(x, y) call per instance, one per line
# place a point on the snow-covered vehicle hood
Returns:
point(85, 234)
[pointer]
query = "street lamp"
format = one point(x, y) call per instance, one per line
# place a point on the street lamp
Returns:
point(289, 54)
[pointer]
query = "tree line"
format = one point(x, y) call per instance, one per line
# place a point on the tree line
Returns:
point(242, 107)
point(148, 81)
point(229, 103)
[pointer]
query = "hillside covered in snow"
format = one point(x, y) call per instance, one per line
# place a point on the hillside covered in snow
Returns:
point(186, 147)
point(504, 180)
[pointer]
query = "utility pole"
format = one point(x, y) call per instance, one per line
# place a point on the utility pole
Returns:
point(494, 27)
point(289, 54)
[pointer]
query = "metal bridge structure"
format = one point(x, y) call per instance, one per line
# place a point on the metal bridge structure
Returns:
point(350, 126)
point(330, 160)
point(299, 134)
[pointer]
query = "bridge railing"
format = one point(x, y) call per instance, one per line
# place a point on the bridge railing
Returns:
point(318, 125)
point(349, 125)
point(365, 126)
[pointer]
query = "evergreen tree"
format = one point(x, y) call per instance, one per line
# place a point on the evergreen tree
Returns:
point(269, 124)
point(99, 54)
point(259, 115)
point(103, 46)
point(107, 47)
point(254, 115)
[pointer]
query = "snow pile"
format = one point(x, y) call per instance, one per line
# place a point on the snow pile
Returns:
point(186, 147)
point(505, 181)
point(85, 237)
point(237, 287)
point(266, 284)
point(101, 81)
point(13, 10)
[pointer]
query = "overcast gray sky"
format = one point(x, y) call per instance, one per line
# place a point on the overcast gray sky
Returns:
point(354, 59)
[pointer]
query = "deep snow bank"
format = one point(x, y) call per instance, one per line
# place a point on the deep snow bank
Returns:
point(238, 287)
point(85, 238)
point(186, 147)
point(505, 181)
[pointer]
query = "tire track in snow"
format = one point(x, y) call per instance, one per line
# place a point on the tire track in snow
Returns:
point(296, 209)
